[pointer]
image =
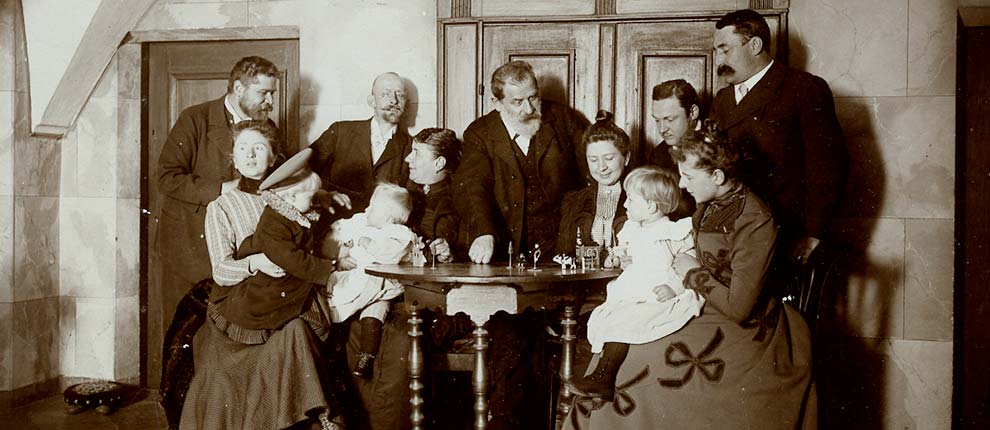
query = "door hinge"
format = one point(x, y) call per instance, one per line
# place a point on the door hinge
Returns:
point(481, 89)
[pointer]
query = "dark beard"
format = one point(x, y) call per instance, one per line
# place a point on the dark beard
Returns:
point(725, 70)
point(259, 113)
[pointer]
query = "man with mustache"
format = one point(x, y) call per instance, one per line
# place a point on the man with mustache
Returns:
point(352, 156)
point(195, 168)
point(518, 162)
point(787, 119)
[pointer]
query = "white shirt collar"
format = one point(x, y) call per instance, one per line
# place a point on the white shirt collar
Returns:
point(377, 134)
point(233, 112)
point(521, 141)
point(753, 80)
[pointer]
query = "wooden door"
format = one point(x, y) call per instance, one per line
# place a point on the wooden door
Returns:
point(180, 75)
point(564, 57)
point(653, 52)
point(607, 62)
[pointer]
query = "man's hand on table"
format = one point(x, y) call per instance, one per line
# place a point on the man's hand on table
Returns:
point(482, 248)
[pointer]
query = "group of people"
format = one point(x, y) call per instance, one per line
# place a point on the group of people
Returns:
point(691, 334)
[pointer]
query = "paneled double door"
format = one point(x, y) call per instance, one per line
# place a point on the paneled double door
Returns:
point(591, 64)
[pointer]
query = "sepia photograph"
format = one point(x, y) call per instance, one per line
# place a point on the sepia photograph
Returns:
point(494, 214)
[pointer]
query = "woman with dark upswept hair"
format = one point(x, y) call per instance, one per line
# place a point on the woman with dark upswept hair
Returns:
point(746, 361)
point(597, 208)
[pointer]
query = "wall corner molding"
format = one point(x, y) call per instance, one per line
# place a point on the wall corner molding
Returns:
point(111, 22)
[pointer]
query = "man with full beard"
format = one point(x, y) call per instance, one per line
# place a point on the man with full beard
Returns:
point(352, 156)
point(786, 118)
point(196, 167)
point(517, 164)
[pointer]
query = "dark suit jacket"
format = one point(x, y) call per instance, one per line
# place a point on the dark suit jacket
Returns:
point(489, 185)
point(195, 161)
point(798, 156)
point(342, 158)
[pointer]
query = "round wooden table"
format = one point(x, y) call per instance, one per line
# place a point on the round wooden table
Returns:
point(480, 290)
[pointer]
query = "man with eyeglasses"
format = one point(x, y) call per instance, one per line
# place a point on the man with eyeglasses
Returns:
point(787, 118)
point(352, 156)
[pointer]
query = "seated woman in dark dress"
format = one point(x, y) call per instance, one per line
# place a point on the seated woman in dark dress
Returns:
point(435, 154)
point(746, 361)
point(597, 208)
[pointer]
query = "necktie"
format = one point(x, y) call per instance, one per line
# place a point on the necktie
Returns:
point(426, 189)
point(742, 90)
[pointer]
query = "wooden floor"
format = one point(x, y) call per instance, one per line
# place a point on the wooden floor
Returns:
point(142, 412)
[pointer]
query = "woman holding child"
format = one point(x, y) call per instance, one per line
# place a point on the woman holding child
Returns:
point(271, 375)
point(745, 362)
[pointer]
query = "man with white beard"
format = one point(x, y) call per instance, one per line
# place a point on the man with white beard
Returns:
point(352, 156)
point(518, 162)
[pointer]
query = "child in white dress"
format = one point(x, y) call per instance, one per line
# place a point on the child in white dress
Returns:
point(648, 300)
point(376, 236)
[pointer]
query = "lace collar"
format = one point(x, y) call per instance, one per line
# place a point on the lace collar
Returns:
point(290, 212)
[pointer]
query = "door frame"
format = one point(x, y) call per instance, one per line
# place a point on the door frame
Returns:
point(134, 65)
point(971, 343)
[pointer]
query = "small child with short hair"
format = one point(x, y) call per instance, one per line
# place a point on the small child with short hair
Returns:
point(377, 236)
point(648, 300)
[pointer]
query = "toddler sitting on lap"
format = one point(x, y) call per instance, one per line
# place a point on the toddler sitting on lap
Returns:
point(648, 300)
point(376, 236)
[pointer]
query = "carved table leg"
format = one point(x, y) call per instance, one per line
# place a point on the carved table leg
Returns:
point(566, 362)
point(415, 370)
point(480, 378)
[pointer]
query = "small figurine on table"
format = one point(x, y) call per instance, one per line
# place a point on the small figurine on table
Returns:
point(565, 261)
point(416, 255)
point(536, 257)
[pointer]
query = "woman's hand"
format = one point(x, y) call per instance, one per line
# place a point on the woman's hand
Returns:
point(441, 249)
point(683, 263)
point(261, 263)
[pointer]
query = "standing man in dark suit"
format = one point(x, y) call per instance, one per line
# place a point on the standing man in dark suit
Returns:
point(352, 156)
point(518, 162)
point(196, 167)
point(787, 119)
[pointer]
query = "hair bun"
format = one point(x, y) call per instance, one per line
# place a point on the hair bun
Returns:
point(604, 116)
